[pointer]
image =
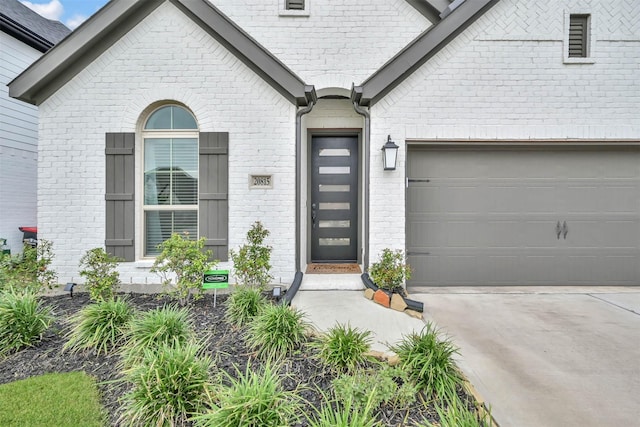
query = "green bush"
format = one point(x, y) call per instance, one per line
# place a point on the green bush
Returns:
point(29, 270)
point(100, 326)
point(345, 415)
point(277, 331)
point(181, 265)
point(150, 330)
point(244, 304)
point(23, 320)
point(251, 264)
point(171, 384)
point(343, 348)
point(387, 385)
point(428, 359)
point(101, 277)
point(253, 399)
point(453, 412)
point(390, 272)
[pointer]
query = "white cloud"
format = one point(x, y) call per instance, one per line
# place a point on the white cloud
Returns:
point(75, 21)
point(51, 10)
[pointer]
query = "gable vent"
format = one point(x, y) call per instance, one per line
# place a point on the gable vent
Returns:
point(295, 4)
point(578, 34)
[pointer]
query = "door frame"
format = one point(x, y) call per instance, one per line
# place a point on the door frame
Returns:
point(348, 132)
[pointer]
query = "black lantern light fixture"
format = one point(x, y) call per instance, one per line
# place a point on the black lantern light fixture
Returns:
point(389, 154)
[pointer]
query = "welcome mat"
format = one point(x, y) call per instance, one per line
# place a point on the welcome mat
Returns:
point(333, 269)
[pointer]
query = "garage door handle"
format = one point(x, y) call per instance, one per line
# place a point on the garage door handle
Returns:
point(559, 229)
point(565, 230)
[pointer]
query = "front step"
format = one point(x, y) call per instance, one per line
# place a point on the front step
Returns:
point(327, 282)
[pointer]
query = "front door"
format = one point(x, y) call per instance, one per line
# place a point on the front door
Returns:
point(334, 199)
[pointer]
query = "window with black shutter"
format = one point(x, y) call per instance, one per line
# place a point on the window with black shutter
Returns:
point(578, 36)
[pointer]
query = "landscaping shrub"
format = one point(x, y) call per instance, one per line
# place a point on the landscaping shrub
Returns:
point(23, 320)
point(253, 399)
point(181, 265)
point(453, 412)
point(171, 384)
point(251, 264)
point(243, 304)
point(277, 331)
point(100, 326)
point(391, 271)
point(386, 385)
point(166, 326)
point(345, 415)
point(29, 270)
point(100, 274)
point(428, 359)
point(343, 348)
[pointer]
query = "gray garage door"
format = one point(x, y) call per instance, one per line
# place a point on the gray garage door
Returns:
point(523, 216)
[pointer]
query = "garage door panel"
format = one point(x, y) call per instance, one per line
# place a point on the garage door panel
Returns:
point(498, 225)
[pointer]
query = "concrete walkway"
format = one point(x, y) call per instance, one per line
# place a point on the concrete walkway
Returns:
point(547, 356)
point(326, 308)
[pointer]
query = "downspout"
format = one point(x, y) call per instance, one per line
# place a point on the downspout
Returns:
point(355, 95)
point(301, 112)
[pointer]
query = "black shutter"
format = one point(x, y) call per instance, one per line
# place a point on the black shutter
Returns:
point(213, 204)
point(119, 195)
point(295, 4)
point(578, 34)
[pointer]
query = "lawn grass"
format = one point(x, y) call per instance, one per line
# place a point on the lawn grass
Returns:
point(59, 400)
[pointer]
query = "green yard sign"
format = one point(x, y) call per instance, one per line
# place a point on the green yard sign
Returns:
point(215, 279)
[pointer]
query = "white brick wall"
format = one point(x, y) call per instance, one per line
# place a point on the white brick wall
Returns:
point(18, 145)
point(503, 79)
point(167, 56)
point(338, 43)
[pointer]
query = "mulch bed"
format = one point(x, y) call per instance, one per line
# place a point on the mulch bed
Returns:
point(224, 342)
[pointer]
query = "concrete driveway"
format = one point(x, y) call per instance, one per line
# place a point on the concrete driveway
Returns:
point(545, 357)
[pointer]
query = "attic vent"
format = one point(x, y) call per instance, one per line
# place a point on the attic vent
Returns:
point(578, 36)
point(294, 4)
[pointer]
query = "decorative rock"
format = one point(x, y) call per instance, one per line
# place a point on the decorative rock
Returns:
point(382, 298)
point(413, 313)
point(368, 293)
point(397, 302)
point(393, 360)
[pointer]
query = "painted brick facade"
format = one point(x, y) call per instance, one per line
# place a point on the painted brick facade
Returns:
point(338, 43)
point(504, 79)
point(166, 57)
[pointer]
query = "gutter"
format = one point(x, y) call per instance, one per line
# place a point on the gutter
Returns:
point(312, 98)
point(356, 96)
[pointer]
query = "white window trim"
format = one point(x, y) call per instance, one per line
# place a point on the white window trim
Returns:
point(283, 11)
point(591, 37)
point(140, 206)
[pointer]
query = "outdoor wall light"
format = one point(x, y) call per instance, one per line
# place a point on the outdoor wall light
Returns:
point(69, 288)
point(389, 154)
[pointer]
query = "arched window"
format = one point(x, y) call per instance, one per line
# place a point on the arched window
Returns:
point(170, 164)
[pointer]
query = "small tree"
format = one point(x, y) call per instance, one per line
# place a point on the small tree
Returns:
point(391, 271)
point(181, 265)
point(101, 277)
point(251, 263)
point(29, 270)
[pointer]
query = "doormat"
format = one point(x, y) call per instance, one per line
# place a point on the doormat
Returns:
point(333, 269)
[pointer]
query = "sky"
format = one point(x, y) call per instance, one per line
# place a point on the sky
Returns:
point(71, 13)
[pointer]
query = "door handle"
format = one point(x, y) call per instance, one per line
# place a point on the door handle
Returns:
point(558, 229)
point(314, 215)
point(565, 230)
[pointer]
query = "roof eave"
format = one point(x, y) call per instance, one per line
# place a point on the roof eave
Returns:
point(420, 51)
point(113, 21)
point(19, 32)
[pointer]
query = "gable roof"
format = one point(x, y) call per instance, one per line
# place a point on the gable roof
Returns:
point(454, 19)
point(115, 19)
point(24, 24)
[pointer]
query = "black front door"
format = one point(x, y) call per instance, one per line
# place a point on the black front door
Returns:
point(334, 199)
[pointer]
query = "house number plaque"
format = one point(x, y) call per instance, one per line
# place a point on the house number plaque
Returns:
point(261, 181)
